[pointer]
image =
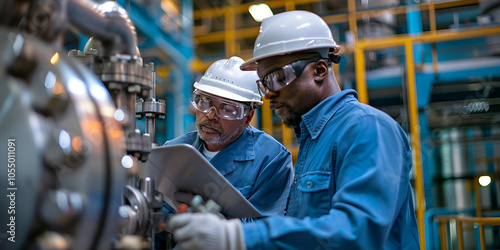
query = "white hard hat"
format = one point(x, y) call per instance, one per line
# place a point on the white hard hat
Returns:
point(290, 32)
point(225, 79)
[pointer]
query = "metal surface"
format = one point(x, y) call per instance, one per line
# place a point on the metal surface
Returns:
point(477, 222)
point(68, 147)
point(108, 22)
point(124, 75)
point(142, 209)
point(66, 186)
point(429, 37)
point(183, 168)
point(150, 108)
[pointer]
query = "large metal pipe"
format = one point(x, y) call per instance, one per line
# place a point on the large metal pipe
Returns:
point(107, 22)
point(11, 11)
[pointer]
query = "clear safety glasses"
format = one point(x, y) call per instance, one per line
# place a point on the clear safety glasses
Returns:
point(225, 109)
point(280, 78)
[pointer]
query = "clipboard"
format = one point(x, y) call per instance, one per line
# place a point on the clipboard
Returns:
point(182, 168)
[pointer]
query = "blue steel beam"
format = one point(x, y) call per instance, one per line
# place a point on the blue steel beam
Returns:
point(472, 69)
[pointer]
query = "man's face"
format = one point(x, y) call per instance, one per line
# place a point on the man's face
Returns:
point(217, 132)
point(299, 96)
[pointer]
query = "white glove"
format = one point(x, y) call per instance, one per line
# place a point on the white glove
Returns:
point(206, 231)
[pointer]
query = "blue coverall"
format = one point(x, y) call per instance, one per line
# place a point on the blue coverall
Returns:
point(351, 188)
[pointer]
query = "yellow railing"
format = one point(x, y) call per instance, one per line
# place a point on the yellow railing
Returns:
point(478, 221)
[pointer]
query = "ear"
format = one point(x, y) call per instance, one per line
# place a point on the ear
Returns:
point(321, 70)
point(249, 117)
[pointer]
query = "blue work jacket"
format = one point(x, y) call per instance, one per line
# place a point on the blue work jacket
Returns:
point(351, 188)
point(256, 165)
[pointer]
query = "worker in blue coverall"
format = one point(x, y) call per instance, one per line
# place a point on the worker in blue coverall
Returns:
point(252, 161)
point(351, 188)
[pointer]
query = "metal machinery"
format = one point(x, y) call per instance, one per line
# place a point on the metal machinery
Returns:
point(68, 123)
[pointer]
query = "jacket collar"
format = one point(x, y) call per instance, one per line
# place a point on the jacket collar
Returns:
point(242, 149)
point(316, 119)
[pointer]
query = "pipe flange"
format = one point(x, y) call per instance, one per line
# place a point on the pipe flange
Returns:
point(150, 108)
point(121, 70)
point(140, 205)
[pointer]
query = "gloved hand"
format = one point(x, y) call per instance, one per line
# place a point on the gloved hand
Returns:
point(206, 231)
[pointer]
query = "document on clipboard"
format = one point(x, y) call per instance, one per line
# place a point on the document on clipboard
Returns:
point(182, 168)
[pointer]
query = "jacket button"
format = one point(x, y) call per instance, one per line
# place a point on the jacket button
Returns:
point(295, 181)
point(308, 184)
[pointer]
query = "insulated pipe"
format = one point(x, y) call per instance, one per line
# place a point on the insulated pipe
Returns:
point(107, 22)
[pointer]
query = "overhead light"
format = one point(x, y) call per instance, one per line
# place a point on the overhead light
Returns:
point(484, 180)
point(260, 11)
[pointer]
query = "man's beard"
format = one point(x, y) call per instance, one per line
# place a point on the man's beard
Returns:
point(292, 121)
point(221, 139)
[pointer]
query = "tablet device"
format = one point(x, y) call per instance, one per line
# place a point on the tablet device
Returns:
point(183, 168)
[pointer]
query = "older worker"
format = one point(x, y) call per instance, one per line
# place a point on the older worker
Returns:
point(256, 164)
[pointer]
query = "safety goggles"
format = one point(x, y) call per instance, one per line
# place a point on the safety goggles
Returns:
point(225, 109)
point(280, 78)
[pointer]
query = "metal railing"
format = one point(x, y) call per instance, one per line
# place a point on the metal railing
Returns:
point(460, 223)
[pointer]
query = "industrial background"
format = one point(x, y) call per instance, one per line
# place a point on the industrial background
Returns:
point(434, 66)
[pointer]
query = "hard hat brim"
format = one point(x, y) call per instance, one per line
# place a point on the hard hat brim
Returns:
point(226, 94)
point(251, 65)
